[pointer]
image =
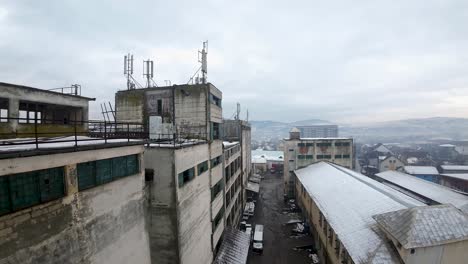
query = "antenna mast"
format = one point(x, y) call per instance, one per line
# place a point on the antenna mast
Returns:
point(128, 71)
point(148, 73)
point(202, 58)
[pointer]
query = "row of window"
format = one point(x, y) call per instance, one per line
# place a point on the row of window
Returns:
point(188, 175)
point(232, 168)
point(218, 219)
point(217, 189)
point(228, 153)
point(324, 144)
point(98, 172)
point(233, 190)
point(22, 190)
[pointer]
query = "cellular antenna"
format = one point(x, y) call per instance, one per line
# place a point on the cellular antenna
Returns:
point(148, 73)
point(128, 72)
point(202, 59)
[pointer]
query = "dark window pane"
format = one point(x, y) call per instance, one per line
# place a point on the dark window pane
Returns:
point(132, 164)
point(24, 189)
point(103, 171)
point(119, 167)
point(51, 184)
point(5, 206)
point(86, 175)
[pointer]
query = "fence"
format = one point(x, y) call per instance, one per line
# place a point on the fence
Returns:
point(43, 131)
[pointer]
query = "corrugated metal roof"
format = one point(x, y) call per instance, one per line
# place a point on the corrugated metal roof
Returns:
point(253, 186)
point(432, 191)
point(425, 226)
point(421, 170)
point(455, 167)
point(234, 248)
point(348, 200)
point(460, 176)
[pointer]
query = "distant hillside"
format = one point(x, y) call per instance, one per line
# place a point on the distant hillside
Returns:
point(409, 130)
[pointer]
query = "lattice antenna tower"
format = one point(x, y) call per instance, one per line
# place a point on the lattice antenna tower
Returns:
point(128, 71)
point(148, 73)
point(203, 60)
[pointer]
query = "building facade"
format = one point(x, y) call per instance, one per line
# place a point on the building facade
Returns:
point(185, 157)
point(63, 198)
point(234, 189)
point(301, 152)
point(319, 131)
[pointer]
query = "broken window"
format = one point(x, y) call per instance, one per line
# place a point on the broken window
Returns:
point(3, 110)
point(186, 176)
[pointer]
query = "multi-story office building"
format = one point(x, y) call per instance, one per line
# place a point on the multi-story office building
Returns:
point(185, 157)
point(319, 131)
point(300, 152)
point(67, 194)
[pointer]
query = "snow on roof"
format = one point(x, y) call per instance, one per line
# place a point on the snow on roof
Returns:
point(348, 200)
point(455, 167)
point(258, 160)
point(327, 138)
point(421, 170)
point(430, 190)
point(252, 186)
point(447, 146)
point(55, 143)
point(295, 130)
point(460, 176)
point(272, 155)
point(463, 150)
point(228, 144)
point(425, 226)
point(234, 248)
point(412, 160)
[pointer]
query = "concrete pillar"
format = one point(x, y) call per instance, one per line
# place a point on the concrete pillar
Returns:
point(13, 112)
point(71, 179)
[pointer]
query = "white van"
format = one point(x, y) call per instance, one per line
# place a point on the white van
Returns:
point(258, 239)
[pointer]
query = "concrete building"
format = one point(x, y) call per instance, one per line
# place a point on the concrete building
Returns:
point(25, 110)
point(300, 152)
point(319, 131)
point(185, 155)
point(274, 160)
point(354, 219)
point(452, 169)
point(428, 173)
point(234, 187)
point(68, 199)
point(240, 131)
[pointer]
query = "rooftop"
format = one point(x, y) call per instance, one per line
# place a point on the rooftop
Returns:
point(455, 167)
point(228, 144)
point(427, 189)
point(234, 248)
point(425, 226)
point(32, 89)
point(348, 200)
point(272, 155)
point(460, 176)
point(421, 170)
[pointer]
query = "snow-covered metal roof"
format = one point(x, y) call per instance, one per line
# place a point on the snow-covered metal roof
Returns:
point(425, 226)
point(455, 167)
point(348, 200)
point(421, 170)
point(234, 248)
point(253, 186)
point(259, 160)
point(460, 176)
point(268, 155)
point(430, 190)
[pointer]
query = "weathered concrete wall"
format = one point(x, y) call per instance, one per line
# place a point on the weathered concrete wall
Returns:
point(104, 224)
point(129, 106)
point(194, 198)
point(162, 207)
point(190, 103)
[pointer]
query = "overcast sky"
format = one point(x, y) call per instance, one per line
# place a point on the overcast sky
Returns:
point(343, 61)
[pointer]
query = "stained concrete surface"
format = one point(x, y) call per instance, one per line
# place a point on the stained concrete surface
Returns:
point(278, 244)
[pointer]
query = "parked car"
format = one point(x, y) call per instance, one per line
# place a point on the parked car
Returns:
point(258, 239)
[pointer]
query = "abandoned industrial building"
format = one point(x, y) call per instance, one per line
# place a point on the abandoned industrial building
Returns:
point(66, 197)
point(300, 152)
point(354, 219)
point(149, 187)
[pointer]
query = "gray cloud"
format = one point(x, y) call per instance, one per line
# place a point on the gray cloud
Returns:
point(345, 61)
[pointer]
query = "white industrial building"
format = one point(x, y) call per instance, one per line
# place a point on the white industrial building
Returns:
point(355, 219)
